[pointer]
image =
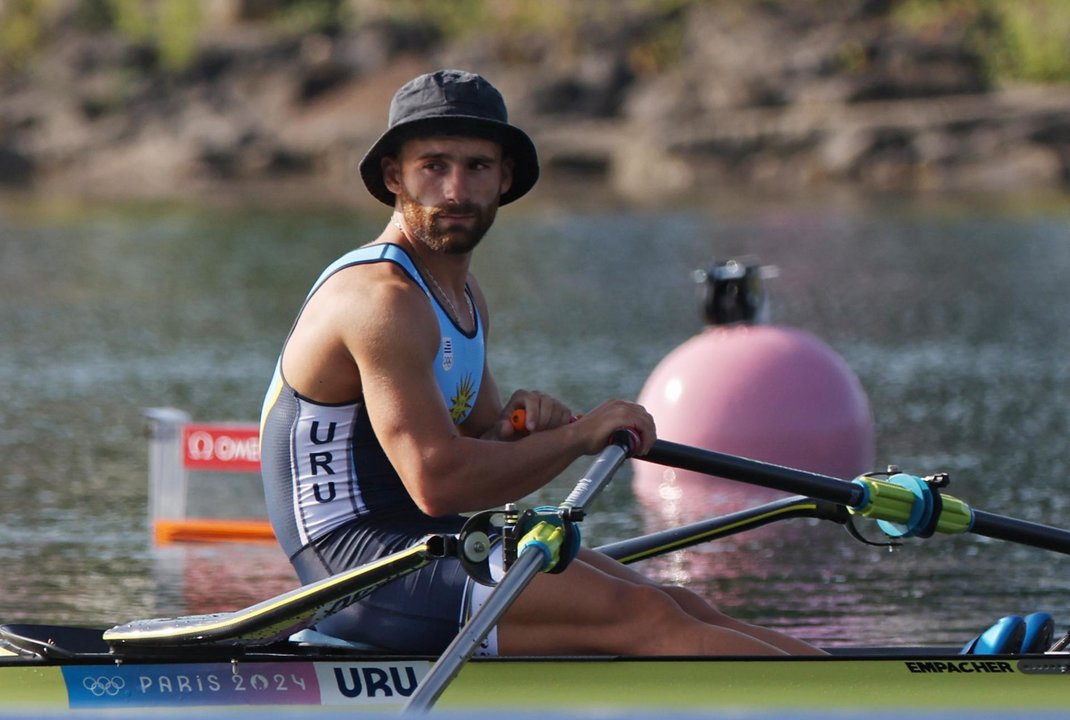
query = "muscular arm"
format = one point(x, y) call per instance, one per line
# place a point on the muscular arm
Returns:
point(369, 332)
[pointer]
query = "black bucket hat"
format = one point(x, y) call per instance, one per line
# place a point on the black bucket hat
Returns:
point(451, 102)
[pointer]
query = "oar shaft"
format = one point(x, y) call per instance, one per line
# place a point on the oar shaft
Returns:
point(755, 472)
point(1020, 531)
point(598, 476)
point(471, 635)
point(665, 541)
point(887, 504)
point(527, 565)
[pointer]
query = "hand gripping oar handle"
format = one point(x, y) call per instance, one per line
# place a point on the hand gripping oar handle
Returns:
point(889, 501)
point(626, 439)
point(527, 565)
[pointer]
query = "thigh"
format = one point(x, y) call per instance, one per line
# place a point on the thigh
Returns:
point(583, 610)
point(420, 612)
point(691, 602)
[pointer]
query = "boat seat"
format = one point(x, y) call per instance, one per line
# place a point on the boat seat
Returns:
point(314, 638)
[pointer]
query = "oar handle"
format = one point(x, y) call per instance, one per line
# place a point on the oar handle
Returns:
point(519, 418)
point(622, 444)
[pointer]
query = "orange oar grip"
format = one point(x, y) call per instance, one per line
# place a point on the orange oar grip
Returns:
point(518, 419)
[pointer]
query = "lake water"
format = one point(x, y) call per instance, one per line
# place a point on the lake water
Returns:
point(952, 312)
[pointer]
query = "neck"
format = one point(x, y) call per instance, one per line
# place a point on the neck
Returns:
point(446, 273)
point(450, 268)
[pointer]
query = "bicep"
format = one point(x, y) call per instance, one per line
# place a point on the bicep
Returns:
point(401, 394)
point(395, 352)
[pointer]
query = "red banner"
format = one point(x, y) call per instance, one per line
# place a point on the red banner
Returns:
point(227, 448)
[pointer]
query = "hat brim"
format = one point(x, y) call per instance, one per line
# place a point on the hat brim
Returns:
point(515, 144)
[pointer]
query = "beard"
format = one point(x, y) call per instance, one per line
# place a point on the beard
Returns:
point(429, 227)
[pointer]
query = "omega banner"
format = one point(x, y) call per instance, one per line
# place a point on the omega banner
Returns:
point(221, 448)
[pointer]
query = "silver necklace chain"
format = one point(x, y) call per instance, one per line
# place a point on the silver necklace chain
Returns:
point(441, 293)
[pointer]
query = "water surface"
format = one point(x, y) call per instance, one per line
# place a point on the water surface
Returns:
point(951, 312)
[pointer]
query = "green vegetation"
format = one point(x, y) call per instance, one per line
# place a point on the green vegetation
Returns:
point(1034, 41)
point(568, 22)
point(171, 26)
point(22, 29)
point(311, 15)
point(1023, 40)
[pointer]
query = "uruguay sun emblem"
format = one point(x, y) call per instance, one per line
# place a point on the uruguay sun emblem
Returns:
point(461, 402)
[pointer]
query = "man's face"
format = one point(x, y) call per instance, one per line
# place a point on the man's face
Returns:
point(448, 189)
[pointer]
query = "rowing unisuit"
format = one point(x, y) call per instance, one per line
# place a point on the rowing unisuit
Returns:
point(336, 502)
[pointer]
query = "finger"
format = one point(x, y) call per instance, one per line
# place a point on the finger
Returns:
point(648, 431)
point(547, 412)
point(531, 407)
point(505, 429)
point(562, 415)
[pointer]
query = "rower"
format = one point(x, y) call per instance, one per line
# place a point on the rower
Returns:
point(383, 421)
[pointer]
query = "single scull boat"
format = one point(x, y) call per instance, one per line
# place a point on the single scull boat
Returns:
point(266, 655)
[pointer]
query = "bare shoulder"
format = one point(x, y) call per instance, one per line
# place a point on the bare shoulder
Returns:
point(355, 326)
point(360, 290)
point(378, 304)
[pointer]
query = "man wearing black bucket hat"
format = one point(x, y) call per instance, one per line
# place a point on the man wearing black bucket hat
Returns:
point(383, 421)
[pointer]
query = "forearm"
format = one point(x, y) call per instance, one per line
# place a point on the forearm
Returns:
point(471, 474)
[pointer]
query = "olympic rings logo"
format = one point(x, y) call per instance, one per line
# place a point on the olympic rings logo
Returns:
point(104, 685)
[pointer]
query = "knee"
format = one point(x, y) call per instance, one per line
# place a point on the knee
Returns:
point(648, 604)
point(694, 604)
point(652, 621)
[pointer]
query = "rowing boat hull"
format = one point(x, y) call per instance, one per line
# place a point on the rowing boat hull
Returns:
point(891, 681)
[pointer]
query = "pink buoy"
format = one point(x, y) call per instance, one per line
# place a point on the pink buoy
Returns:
point(765, 392)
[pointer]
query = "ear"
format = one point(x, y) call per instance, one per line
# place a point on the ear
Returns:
point(507, 174)
point(391, 173)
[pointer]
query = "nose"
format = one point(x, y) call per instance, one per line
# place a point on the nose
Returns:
point(456, 187)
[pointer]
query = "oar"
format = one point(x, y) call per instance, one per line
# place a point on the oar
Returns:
point(902, 504)
point(666, 541)
point(529, 562)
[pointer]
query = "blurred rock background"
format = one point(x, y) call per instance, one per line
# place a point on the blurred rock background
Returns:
point(276, 100)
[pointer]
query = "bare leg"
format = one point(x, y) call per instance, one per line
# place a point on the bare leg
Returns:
point(587, 610)
point(697, 606)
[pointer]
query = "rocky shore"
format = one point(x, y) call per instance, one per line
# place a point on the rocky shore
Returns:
point(706, 96)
